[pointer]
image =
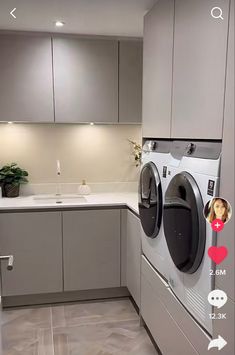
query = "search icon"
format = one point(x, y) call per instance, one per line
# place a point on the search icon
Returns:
point(217, 12)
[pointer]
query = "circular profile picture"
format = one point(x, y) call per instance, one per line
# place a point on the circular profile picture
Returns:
point(217, 209)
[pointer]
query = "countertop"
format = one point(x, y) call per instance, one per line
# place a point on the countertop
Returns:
point(128, 199)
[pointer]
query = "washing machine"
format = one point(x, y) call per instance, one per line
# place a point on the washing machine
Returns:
point(152, 187)
point(193, 179)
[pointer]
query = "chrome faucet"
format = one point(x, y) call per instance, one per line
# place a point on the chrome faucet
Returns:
point(58, 173)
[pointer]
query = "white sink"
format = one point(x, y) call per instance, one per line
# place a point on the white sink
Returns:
point(63, 198)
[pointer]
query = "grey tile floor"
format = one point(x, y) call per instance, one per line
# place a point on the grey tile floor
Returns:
point(84, 328)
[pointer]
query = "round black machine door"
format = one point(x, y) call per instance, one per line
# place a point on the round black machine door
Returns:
point(150, 200)
point(184, 224)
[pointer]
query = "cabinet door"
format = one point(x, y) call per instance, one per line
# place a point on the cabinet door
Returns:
point(91, 241)
point(157, 69)
point(26, 87)
point(200, 43)
point(130, 81)
point(133, 255)
point(86, 80)
point(35, 240)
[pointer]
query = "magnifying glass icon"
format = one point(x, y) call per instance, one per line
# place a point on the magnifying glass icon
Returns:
point(217, 12)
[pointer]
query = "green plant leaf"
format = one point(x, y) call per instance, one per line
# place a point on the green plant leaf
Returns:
point(13, 174)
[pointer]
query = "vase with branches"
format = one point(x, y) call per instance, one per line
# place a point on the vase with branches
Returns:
point(136, 152)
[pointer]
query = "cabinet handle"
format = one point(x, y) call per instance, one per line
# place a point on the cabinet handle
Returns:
point(10, 259)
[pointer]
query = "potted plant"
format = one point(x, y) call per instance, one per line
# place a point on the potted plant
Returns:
point(11, 176)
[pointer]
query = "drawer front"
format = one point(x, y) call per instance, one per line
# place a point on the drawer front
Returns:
point(198, 338)
point(163, 328)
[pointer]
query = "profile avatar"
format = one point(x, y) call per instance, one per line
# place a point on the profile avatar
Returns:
point(217, 209)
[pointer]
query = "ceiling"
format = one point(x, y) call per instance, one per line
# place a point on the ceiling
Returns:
point(101, 17)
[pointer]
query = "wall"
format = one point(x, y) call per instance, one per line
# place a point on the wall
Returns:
point(99, 153)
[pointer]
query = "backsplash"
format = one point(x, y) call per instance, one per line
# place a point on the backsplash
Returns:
point(72, 188)
point(98, 153)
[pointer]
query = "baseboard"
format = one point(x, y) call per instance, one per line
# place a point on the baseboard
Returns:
point(62, 297)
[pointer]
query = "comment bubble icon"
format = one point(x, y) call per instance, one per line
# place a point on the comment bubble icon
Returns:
point(217, 298)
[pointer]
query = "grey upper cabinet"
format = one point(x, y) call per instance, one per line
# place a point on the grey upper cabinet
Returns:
point(91, 241)
point(130, 81)
point(35, 241)
point(133, 256)
point(200, 43)
point(85, 80)
point(157, 69)
point(26, 85)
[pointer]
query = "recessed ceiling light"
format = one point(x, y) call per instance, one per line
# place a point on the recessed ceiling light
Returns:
point(59, 23)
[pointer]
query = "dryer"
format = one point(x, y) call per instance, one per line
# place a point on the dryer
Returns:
point(152, 187)
point(193, 179)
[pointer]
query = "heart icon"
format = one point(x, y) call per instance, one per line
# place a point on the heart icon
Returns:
point(217, 254)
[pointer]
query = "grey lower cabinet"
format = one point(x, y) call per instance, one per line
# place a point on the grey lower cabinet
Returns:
point(91, 249)
point(130, 81)
point(171, 326)
point(35, 240)
point(26, 85)
point(200, 48)
point(157, 69)
point(133, 255)
point(85, 80)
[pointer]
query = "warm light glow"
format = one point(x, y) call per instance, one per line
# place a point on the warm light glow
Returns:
point(91, 124)
point(9, 122)
point(59, 23)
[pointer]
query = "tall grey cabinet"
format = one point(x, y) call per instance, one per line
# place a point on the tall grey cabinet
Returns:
point(157, 69)
point(184, 65)
point(200, 43)
point(85, 80)
point(26, 84)
point(130, 81)
point(226, 237)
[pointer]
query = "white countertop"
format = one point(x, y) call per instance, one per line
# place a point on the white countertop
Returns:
point(130, 199)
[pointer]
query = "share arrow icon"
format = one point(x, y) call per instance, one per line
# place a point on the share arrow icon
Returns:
point(12, 12)
point(217, 343)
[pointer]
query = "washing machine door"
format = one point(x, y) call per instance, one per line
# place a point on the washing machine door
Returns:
point(150, 200)
point(184, 223)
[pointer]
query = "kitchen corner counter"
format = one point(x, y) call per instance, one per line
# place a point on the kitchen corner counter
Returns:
point(127, 199)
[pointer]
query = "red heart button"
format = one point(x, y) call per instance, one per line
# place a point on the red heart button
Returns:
point(217, 254)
